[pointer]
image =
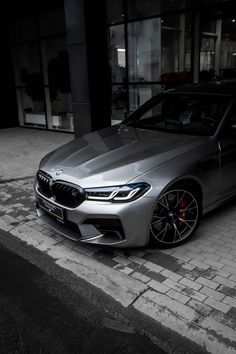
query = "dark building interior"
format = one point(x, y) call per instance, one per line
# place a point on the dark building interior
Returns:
point(78, 66)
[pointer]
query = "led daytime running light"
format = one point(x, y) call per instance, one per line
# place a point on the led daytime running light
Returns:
point(117, 193)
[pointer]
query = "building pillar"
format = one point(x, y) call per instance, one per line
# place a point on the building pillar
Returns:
point(217, 47)
point(196, 47)
point(87, 47)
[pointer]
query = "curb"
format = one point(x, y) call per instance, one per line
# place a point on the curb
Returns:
point(7, 180)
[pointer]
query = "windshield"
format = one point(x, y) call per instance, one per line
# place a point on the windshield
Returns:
point(188, 113)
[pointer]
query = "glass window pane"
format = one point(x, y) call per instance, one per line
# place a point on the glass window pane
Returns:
point(23, 30)
point(52, 23)
point(117, 53)
point(27, 63)
point(169, 51)
point(228, 49)
point(209, 26)
point(115, 12)
point(144, 50)
point(56, 57)
point(170, 21)
point(207, 59)
point(188, 23)
point(62, 116)
point(141, 8)
point(187, 52)
point(33, 106)
point(118, 103)
point(139, 94)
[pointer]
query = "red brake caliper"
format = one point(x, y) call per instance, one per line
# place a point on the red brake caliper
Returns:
point(182, 214)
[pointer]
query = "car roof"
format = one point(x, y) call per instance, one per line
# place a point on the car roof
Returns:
point(217, 87)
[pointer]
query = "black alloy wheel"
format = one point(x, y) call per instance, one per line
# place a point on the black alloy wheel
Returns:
point(176, 217)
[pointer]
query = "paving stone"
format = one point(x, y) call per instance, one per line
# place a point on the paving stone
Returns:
point(136, 259)
point(206, 273)
point(89, 253)
point(122, 260)
point(195, 256)
point(173, 285)
point(232, 313)
point(207, 282)
point(39, 227)
point(182, 257)
point(153, 275)
point(223, 274)
point(229, 270)
point(125, 270)
point(178, 296)
point(141, 269)
point(173, 276)
point(209, 255)
point(187, 273)
point(232, 277)
point(164, 260)
point(230, 301)
point(194, 294)
point(199, 264)
point(188, 266)
point(217, 304)
point(153, 267)
point(191, 284)
point(139, 253)
point(77, 247)
point(214, 263)
point(143, 278)
point(228, 262)
point(46, 231)
point(227, 291)
point(158, 286)
point(212, 293)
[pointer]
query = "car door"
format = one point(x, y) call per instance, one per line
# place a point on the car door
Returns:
point(227, 146)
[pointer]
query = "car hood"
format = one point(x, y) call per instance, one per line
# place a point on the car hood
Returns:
point(116, 155)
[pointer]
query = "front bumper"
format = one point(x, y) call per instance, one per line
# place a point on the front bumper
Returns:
point(104, 223)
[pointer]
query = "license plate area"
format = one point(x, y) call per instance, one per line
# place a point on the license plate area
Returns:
point(51, 208)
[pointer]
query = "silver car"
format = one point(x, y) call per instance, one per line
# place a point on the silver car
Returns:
point(148, 179)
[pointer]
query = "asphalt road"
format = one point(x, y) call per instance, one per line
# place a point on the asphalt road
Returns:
point(39, 314)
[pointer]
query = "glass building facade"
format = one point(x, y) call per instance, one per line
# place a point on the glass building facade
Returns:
point(42, 78)
point(153, 46)
point(116, 57)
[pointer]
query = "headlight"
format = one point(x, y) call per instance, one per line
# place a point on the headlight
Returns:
point(124, 193)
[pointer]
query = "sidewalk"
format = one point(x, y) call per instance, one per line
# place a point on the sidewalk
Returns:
point(21, 149)
point(190, 289)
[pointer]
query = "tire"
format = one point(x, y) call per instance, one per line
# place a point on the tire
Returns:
point(176, 216)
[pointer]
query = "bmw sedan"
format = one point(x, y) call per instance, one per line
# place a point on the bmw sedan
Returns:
point(148, 179)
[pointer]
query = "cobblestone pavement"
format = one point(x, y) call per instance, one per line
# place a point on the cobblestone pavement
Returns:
point(190, 289)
